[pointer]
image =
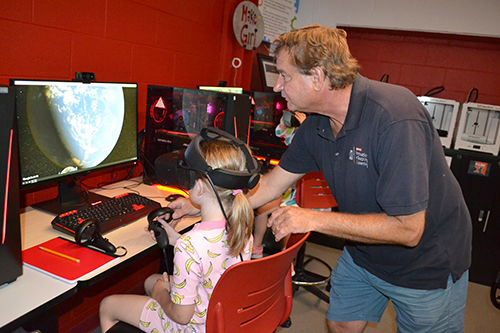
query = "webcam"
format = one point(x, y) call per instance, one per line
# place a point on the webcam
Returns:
point(85, 77)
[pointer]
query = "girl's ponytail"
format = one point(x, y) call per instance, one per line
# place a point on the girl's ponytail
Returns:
point(240, 223)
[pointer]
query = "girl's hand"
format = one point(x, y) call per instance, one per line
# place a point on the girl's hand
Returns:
point(169, 229)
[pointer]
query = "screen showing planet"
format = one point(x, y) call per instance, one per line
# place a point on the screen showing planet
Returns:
point(70, 127)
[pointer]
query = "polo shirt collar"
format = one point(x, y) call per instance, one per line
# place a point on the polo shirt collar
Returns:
point(359, 95)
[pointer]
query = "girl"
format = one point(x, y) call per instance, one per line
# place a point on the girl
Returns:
point(288, 198)
point(201, 255)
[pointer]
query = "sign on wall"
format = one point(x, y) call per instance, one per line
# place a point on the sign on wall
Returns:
point(279, 16)
point(248, 25)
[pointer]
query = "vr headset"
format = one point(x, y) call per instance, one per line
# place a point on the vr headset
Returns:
point(179, 168)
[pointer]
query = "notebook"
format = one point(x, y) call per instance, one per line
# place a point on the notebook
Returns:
point(71, 263)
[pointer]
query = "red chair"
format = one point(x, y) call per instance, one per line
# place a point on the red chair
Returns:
point(251, 296)
point(312, 192)
point(256, 295)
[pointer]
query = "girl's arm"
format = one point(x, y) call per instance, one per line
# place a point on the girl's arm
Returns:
point(181, 314)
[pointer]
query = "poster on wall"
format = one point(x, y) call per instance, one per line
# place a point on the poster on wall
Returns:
point(268, 72)
point(279, 17)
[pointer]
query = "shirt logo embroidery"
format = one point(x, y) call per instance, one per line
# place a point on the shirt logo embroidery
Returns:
point(358, 157)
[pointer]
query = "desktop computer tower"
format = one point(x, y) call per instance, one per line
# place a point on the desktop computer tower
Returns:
point(10, 228)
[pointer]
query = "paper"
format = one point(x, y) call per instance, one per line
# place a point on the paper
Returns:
point(62, 268)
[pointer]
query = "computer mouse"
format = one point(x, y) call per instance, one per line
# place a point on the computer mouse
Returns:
point(173, 197)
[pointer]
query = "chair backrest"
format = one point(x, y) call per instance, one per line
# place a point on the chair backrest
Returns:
point(313, 192)
point(254, 295)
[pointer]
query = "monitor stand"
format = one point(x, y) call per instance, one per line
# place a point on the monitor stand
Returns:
point(70, 197)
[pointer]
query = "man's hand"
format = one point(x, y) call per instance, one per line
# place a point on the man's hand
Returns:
point(291, 219)
point(183, 208)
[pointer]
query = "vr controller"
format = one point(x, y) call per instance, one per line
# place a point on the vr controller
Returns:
point(89, 234)
point(160, 233)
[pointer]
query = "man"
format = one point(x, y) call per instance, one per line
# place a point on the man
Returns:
point(401, 210)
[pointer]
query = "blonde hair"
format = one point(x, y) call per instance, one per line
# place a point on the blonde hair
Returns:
point(224, 154)
point(318, 46)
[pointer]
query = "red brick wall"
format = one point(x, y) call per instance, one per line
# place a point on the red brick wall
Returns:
point(176, 42)
point(421, 61)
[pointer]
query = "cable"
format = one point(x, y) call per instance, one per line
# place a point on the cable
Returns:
point(434, 91)
point(470, 94)
point(167, 264)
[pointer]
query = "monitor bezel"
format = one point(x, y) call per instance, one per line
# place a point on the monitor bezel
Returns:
point(62, 178)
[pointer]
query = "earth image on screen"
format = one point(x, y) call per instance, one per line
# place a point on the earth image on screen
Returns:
point(74, 125)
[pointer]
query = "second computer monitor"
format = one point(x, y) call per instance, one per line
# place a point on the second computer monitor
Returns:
point(176, 115)
point(267, 110)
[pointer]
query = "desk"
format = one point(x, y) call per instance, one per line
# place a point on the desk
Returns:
point(35, 292)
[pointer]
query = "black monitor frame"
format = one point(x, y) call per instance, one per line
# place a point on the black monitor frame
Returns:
point(70, 193)
point(267, 110)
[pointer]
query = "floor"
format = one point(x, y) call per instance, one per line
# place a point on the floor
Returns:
point(308, 313)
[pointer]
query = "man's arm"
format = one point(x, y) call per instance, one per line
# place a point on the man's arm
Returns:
point(271, 186)
point(377, 228)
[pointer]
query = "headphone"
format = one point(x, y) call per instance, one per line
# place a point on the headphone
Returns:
point(230, 179)
point(179, 168)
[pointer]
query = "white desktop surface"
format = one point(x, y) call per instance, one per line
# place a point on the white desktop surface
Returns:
point(33, 289)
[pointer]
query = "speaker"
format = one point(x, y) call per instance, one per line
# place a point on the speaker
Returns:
point(10, 227)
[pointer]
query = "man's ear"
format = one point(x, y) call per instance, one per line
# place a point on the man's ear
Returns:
point(318, 78)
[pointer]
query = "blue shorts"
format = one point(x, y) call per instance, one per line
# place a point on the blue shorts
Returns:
point(357, 295)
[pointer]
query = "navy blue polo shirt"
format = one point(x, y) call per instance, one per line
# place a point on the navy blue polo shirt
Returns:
point(388, 158)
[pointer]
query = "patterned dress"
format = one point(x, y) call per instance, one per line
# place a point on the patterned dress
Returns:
point(200, 258)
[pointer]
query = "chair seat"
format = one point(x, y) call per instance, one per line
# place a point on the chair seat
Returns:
point(121, 327)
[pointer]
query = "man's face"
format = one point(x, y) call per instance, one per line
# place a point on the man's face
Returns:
point(294, 86)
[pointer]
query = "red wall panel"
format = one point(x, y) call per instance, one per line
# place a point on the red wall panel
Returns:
point(109, 59)
point(422, 61)
point(131, 22)
point(81, 16)
point(33, 51)
point(20, 10)
point(153, 65)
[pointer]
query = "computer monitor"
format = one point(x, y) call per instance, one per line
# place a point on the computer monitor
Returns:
point(68, 129)
point(267, 110)
point(174, 116)
point(229, 90)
